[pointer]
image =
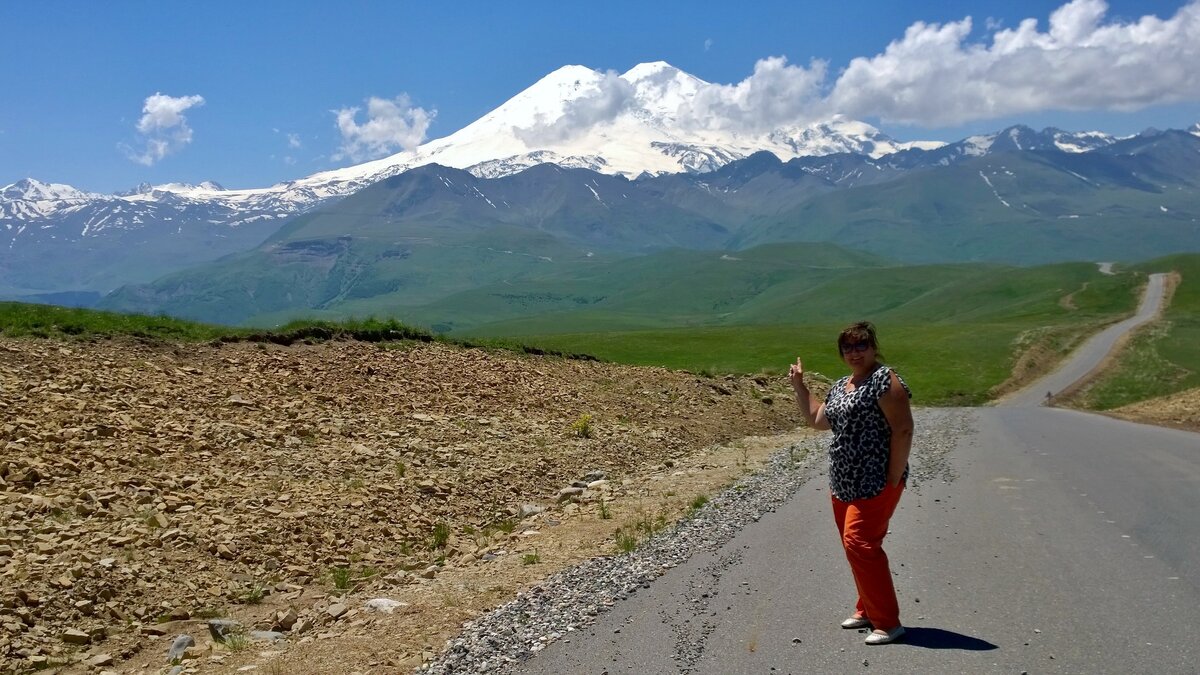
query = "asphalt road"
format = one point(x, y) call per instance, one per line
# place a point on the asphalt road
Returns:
point(1048, 541)
point(1091, 353)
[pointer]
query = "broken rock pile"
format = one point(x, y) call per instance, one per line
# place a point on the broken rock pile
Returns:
point(145, 484)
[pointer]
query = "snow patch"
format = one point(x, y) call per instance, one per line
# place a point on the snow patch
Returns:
point(595, 194)
point(989, 184)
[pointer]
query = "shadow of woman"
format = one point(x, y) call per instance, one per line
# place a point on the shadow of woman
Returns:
point(936, 638)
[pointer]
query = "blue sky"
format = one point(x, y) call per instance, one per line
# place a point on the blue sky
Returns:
point(273, 75)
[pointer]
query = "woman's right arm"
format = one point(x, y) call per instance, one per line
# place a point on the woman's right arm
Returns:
point(812, 409)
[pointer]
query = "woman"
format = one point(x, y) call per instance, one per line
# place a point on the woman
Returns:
point(872, 425)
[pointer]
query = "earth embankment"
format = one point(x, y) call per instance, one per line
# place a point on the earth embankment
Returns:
point(147, 487)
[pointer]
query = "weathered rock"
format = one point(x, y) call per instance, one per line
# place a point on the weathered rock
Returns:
point(568, 493)
point(336, 610)
point(74, 636)
point(179, 647)
point(528, 510)
point(385, 605)
point(286, 619)
point(221, 629)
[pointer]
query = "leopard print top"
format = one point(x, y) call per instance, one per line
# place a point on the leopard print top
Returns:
point(861, 444)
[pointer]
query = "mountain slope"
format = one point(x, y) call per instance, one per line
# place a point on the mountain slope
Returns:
point(433, 234)
point(649, 124)
point(1132, 200)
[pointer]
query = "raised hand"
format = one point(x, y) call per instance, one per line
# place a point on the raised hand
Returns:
point(796, 374)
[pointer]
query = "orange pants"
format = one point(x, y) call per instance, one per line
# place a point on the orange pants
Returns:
point(863, 523)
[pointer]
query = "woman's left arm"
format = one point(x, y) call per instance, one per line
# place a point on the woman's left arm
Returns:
point(896, 409)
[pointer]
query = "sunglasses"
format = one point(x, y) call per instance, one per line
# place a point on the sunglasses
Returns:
point(855, 347)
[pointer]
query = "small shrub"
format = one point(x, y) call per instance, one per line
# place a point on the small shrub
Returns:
point(531, 558)
point(582, 427)
point(698, 502)
point(342, 578)
point(401, 469)
point(605, 512)
point(441, 535)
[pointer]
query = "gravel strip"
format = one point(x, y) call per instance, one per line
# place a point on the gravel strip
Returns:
point(571, 599)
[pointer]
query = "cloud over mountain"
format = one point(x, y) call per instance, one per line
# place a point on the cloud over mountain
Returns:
point(162, 128)
point(935, 76)
point(611, 95)
point(392, 124)
point(777, 94)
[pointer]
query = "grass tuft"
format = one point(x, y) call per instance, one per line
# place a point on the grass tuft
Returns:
point(441, 535)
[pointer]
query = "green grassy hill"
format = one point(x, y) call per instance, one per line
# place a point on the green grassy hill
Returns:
point(954, 330)
point(1164, 356)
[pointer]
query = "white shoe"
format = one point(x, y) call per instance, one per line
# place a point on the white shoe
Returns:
point(856, 622)
point(885, 638)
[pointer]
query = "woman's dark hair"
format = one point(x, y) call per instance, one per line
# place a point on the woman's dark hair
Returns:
point(863, 331)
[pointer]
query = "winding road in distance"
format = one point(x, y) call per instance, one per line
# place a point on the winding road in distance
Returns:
point(1040, 540)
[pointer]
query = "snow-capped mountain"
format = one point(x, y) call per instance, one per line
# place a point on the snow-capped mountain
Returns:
point(1017, 138)
point(550, 122)
point(629, 125)
point(651, 120)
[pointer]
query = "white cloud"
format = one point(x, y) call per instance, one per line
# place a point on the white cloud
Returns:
point(391, 125)
point(777, 94)
point(708, 43)
point(939, 75)
point(934, 76)
point(612, 95)
point(163, 128)
point(293, 141)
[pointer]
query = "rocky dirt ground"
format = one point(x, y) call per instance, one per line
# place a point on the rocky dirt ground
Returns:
point(1181, 410)
point(147, 488)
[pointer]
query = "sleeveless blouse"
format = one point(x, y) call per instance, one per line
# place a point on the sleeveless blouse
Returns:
point(861, 443)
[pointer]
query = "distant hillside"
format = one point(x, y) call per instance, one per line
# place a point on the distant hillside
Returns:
point(1135, 199)
point(431, 234)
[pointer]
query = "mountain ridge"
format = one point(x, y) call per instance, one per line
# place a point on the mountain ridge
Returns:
point(56, 238)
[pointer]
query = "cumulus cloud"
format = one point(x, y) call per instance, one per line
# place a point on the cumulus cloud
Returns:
point(391, 125)
point(162, 128)
point(611, 95)
point(777, 94)
point(935, 76)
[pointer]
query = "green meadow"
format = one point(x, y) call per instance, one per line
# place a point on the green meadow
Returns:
point(954, 331)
